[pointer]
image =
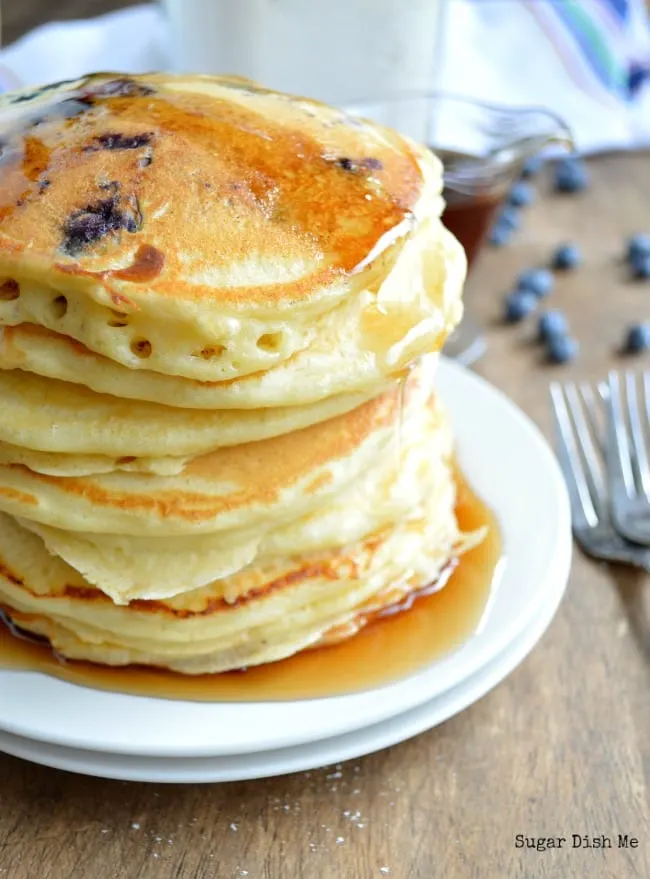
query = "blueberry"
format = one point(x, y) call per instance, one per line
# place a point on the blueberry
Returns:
point(641, 266)
point(509, 217)
point(638, 245)
point(562, 349)
point(571, 175)
point(567, 256)
point(519, 305)
point(532, 167)
point(521, 195)
point(504, 225)
point(551, 324)
point(638, 338)
point(500, 235)
point(98, 220)
point(537, 281)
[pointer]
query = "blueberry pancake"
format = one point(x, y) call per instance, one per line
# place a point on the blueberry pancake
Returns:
point(221, 312)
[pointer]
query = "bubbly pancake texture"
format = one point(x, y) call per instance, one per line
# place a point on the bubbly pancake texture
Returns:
point(357, 348)
point(203, 226)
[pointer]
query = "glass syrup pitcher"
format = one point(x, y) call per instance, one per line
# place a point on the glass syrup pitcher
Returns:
point(483, 148)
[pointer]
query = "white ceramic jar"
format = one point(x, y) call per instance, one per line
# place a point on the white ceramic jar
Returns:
point(334, 50)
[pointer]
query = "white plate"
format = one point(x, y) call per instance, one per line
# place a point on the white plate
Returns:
point(239, 767)
point(508, 463)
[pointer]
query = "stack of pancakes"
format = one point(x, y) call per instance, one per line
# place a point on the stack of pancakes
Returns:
point(220, 309)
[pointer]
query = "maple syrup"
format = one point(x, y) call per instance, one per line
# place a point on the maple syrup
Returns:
point(346, 206)
point(474, 189)
point(469, 217)
point(394, 643)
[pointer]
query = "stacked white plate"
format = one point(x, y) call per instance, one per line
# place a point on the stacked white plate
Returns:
point(509, 465)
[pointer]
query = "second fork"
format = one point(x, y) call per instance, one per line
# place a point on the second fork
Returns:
point(628, 470)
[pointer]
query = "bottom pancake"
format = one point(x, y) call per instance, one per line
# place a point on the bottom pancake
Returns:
point(274, 609)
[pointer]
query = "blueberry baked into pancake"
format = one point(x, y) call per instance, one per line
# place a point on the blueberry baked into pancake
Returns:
point(221, 309)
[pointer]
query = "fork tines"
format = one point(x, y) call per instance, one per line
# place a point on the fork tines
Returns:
point(580, 444)
point(628, 441)
point(603, 437)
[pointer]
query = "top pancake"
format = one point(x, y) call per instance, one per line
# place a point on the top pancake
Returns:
point(357, 346)
point(198, 226)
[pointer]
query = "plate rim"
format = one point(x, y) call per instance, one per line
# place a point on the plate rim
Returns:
point(387, 733)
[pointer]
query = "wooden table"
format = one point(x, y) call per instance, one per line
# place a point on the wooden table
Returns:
point(561, 747)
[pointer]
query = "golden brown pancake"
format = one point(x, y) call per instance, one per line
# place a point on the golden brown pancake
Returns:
point(221, 309)
point(233, 487)
point(200, 226)
point(47, 415)
point(409, 471)
point(262, 614)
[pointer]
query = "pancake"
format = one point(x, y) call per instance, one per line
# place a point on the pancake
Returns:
point(201, 226)
point(55, 464)
point(262, 614)
point(234, 487)
point(128, 567)
point(52, 416)
point(221, 309)
point(352, 350)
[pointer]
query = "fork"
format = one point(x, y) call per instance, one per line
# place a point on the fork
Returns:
point(579, 436)
point(628, 471)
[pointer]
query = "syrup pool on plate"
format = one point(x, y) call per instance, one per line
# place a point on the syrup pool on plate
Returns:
point(394, 643)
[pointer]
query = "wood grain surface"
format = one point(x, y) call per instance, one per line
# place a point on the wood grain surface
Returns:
point(562, 747)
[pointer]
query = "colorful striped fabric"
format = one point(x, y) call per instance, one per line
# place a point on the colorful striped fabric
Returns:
point(603, 44)
point(586, 60)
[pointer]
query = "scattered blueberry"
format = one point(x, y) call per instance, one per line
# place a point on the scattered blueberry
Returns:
point(641, 266)
point(638, 245)
point(540, 282)
point(519, 305)
point(532, 167)
point(571, 175)
point(562, 348)
point(500, 235)
point(552, 324)
point(504, 226)
point(567, 256)
point(509, 217)
point(638, 338)
point(521, 195)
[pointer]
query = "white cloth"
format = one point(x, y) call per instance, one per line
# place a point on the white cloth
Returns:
point(576, 57)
